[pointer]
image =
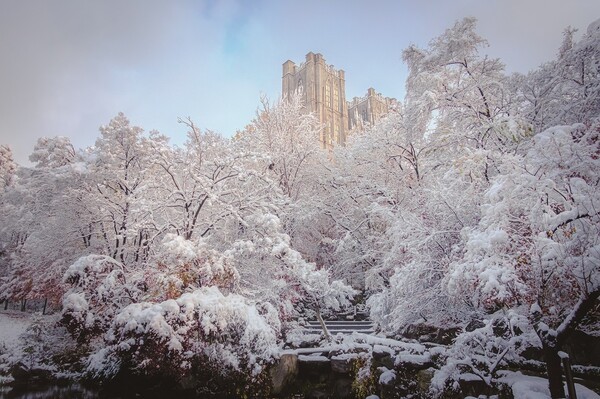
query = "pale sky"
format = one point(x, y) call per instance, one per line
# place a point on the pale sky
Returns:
point(69, 66)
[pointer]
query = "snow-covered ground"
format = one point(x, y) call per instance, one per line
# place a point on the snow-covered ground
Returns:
point(12, 325)
point(529, 387)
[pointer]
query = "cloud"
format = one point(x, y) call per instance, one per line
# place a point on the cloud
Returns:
point(68, 66)
point(62, 61)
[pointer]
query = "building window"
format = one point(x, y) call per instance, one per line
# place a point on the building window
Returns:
point(336, 98)
point(336, 131)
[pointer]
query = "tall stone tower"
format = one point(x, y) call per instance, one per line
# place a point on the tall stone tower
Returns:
point(324, 90)
point(368, 109)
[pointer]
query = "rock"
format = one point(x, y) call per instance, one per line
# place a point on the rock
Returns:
point(474, 325)
point(283, 372)
point(445, 336)
point(428, 333)
point(317, 394)
point(314, 367)
point(387, 377)
point(25, 375)
point(341, 364)
point(413, 362)
point(471, 385)
point(387, 387)
point(19, 371)
point(343, 388)
point(424, 378)
point(383, 356)
point(419, 332)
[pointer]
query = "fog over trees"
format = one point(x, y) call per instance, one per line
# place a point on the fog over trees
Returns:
point(476, 199)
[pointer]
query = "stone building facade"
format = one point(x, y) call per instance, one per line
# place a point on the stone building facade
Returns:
point(368, 109)
point(324, 93)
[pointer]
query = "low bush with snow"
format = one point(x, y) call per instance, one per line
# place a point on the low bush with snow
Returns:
point(99, 290)
point(200, 329)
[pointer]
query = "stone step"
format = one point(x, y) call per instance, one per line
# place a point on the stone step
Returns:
point(342, 323)
point(365, 327)
point(340, 327)
point(349, 330)
point(343, 332)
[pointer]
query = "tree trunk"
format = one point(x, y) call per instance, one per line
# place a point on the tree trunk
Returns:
point(552, 341)
point(6, 304)
point(554, 370)
point(23, 304)
point(566, 362)
point(323, 326)
point(45, 303)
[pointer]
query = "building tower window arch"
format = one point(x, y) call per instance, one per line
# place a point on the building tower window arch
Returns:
point(328, 93)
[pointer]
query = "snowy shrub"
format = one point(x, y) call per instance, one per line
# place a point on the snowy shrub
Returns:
point(99, 290)
point(293, 283)
point(198, 330)
point(365, 378)
point(185, 265)
point(477, 355)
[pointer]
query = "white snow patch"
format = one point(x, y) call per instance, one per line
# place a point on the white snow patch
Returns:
point(382, 349)
point(345, 356)
point(309, 358)
point(529, 387)
point(387, 376)
point(412, 359)
point(12, 326)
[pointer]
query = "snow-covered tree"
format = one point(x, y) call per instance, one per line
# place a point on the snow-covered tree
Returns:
point(7, 167)
point(466, 90)
point(265, 250)
point(42, 231)
point(205, 185)
point(287, 141)
point(536, 247)
point(579, 84)
point(564, 90)
point(463, 101)
point(53, 152)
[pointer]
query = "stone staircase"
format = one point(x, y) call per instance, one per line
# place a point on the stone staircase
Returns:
point(340, 327)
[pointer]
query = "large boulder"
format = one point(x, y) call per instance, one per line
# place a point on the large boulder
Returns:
point(428, 333)
point(283, 372)
point(342, 364)
point(25, 375)
point(314, 367)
